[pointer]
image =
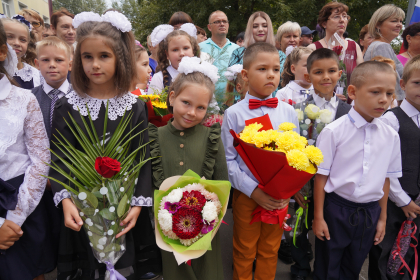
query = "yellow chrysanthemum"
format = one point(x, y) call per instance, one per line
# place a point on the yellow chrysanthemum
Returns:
point(261, 139)
point(311, 169)
point(159, 104)
point(248, 134)
point(287, 140)
point(297, 159)
point(286, 126)
point(268, 148)
point(314, 154)
point(303, 140)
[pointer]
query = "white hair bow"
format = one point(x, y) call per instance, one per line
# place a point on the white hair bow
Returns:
point(161, 32)
point(232, 72)
point(117, 19)
point(189, 65)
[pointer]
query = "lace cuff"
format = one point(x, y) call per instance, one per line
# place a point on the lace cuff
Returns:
point(58, 197)
point(141, 201)
point(2, 221)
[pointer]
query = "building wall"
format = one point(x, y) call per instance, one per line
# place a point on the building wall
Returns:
point(40, 6)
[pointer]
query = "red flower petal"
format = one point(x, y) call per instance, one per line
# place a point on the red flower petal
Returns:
point(187, 223)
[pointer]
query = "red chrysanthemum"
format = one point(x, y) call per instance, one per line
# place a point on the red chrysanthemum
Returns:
point(193, 199)
point(187, 223)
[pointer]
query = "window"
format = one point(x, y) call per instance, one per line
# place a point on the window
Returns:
point(6, 8)
point(46, 20)
point(22, 6)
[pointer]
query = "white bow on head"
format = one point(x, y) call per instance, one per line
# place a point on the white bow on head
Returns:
point(162, 31)
point(189, 65)
point(118, 20)
point(232, 72)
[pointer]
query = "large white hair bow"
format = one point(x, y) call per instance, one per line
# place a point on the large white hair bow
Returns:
point(117, 19)
point(189, 65)
point(232, 72)
point(161, 31)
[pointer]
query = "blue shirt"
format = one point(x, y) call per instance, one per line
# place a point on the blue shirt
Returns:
point(152, 63)
point(235, 116)
point(220, 58)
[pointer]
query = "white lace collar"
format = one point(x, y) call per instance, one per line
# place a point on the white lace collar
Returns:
point(117, 105)
point(26, 73)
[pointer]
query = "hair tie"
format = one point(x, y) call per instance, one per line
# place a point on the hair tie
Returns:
point(189, 65)
point(232, 71)
point(23, 20)
point(116, 19)
point(162, 31)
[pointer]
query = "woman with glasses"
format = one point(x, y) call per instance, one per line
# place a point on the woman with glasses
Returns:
point(36, 22)
point(411, 42)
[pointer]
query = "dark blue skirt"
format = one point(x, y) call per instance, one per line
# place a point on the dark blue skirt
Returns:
point(35, 253)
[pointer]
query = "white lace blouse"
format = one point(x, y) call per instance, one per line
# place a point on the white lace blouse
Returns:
point(24, 148)
point(28, 73)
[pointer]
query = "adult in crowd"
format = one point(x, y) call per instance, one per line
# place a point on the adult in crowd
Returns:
point(288, 34)
point(258, 29)
point(385, 25)
point(411, 42)
point(365, 39)
point(62, 26)
point(307, 36)
point(219, 48)
point(201, 34)
point(179, 18)
point(36, 22)
point(47, 31)
point(239, 40)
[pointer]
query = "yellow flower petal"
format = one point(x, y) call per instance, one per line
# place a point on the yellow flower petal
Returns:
point(286, 126)
point(314, 154)
point(297, 159)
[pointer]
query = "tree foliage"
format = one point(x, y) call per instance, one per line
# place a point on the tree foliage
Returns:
point(78, 6)
point(147, 14)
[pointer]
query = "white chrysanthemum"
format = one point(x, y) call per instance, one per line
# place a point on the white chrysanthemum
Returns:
point(165, 219)
point(189, 65)
point(209, 211)
point(118, 20)
point(85, 16)
point(174, 196)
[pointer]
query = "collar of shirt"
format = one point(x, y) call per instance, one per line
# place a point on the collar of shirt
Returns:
point(249, 96)
point(63, 88)
point(359, 121)
point(172, 71)
point(321, 101)
point(409, 109)
point(210, 41)
point(177, 132)
point(5, 87)
point(296, 87)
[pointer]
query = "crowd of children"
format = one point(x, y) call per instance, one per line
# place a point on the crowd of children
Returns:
point(362, 192)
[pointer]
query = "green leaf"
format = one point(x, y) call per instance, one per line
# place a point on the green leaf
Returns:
point(108, 215)
point(122, 206)
point(88, 211)
point(91, 199)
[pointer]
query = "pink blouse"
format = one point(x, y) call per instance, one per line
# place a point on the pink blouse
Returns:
point(402, 59)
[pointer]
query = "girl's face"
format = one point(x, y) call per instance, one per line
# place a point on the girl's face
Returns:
point(17, 37)
point(289, 39)
point(37, 28)
point(143, 68)
point(337, 22)
point(178, 47)
point(201, 38)
point(190, 105)
point(299, 69)
point(260, 29)
point(65, 30)
point(98, 60)
point(390, 28)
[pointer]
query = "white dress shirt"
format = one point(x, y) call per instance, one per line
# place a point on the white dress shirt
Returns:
point(358, 156)
point(157, 80)
point(294, 92)
point(322, 103)
point(396, 193)
point(235, 116)
point(64, 88)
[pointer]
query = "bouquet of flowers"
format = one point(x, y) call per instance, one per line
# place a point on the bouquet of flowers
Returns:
point(188, 212)
point(402, 244)
point(157, 108)
point(212, 119)
point(281, 160)
point(101, 179)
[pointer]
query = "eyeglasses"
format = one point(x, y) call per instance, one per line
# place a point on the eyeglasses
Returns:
point(36, 24)
point(338, 17)
point(308, 36)
point(219, 22)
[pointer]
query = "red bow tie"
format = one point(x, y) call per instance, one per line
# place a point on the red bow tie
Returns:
point(271, 102)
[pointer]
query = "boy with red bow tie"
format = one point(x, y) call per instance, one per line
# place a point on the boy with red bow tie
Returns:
point(259, 240)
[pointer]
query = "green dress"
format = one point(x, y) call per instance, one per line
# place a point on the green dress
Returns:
point(175, 151)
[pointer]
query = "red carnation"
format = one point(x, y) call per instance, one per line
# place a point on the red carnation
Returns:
point(338, 49)
point(107, 167)
point(187, 223)
point(193, 199)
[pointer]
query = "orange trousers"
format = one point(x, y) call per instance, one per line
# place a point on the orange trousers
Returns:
point(259, 240)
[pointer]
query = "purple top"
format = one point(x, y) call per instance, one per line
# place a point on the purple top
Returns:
point(402, 59)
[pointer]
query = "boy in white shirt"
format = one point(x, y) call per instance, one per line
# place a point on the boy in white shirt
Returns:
point(351, 189)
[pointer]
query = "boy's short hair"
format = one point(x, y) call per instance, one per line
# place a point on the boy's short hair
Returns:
point(56, 42)
point(322, 53)
point(363, 71)
point(411, 66)
point(253, 50)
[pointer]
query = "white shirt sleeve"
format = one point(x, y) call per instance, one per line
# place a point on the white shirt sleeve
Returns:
point(327, 144)
point(37, 145)
point(391, 120)
point(397, 194)
point(395, 165)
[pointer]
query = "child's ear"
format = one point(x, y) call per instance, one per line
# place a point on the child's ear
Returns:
point(70, 64)
point(307, 78)
point(292, 68)
point(3, 52)
point(351, 91)
point(402, 84)
point(171, 97)
point(244, 74)
point(238, 87)
point(36, 61)
point(340, 73)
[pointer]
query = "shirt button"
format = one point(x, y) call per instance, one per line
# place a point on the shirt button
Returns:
point(181, 133)
point(181, 163)
point(181, 146)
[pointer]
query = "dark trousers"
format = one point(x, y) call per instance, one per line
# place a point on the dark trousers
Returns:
point(300, 256)
point(352, 228)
